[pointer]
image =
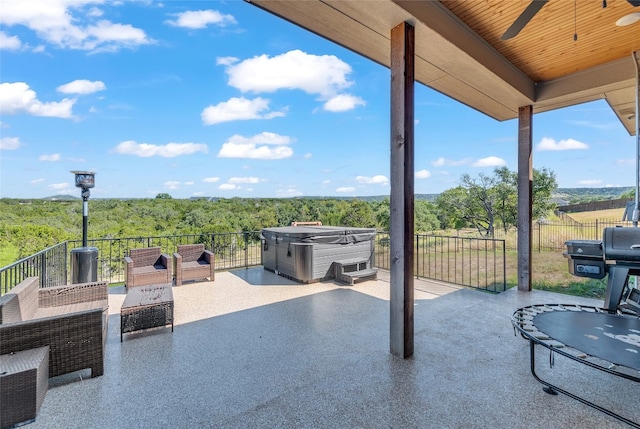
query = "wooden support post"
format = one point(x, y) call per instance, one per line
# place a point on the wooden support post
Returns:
point(402, 190)
point(525, 197)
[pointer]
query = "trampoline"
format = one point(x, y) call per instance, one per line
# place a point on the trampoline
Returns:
point(604, 341)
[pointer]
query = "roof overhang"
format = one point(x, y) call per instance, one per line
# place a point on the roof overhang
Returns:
point(453, 59)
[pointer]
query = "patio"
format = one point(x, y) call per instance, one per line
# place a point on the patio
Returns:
point(256, 350)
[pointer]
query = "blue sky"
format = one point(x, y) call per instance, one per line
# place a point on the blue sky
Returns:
point(209, 98)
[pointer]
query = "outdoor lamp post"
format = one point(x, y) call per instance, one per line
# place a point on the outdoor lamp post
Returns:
point(84, 260)
point(85, 180)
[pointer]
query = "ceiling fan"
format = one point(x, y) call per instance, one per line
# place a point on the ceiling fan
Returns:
point(531, 11)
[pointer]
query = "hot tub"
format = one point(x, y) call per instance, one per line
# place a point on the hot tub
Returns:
point(307, 253)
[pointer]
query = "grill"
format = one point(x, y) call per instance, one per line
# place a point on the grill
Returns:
point(617, 254)
point(586, 258)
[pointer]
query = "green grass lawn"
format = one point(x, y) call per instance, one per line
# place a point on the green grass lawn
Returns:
point(550, 272)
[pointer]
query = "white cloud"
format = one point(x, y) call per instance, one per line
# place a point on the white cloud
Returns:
point(375, 180)
point(59, 186)
point(261, 146)
point(17, 97)
point(196, 19)
point(325, 75)
point(345, 189)
point(71, 24)
point(170, 150)
point(308, 155)
point(441, 162)
point(9, 143)
point(326, 181)
point(10, 43)
point(211, 179)
point(547, 143)
point(190, 183)
point(172, 184)
point(490, 161)
point(590, 182)
point(82, 86)
point(228, 187)
point(237, 109)
point(423, 174)
point(237, 180)
point(288, 192)
point(52, 158)
point(628, 161)
point(343, 103)
point(36, 181)
point(226, 61)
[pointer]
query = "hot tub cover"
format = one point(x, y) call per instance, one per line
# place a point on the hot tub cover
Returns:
point(322, 234)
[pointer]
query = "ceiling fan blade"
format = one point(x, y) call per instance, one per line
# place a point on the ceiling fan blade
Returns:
point(523, 19)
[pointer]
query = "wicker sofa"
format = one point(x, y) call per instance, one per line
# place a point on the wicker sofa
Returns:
point(70, 319)
point(147, 266)
point(193, 262)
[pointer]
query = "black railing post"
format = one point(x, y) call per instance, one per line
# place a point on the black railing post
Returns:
point(43, 269)
point(66, 261)
point(504, 266)
point(418, 254)
point(246, 249)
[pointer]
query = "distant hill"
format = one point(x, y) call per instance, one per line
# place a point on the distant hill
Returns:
point(578, 195)
point(567, 195)
point(61, 198)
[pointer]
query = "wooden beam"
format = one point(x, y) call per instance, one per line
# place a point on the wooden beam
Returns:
point(402, 191)
point(525, 196)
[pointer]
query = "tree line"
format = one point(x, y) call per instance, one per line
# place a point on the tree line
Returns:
point(28, 226)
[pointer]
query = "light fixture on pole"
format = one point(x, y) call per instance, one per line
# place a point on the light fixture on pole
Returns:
point(84, 260)
point(85, 180)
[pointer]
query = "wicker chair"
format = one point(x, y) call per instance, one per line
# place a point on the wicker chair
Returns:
point(147, 266)
point(70, 319)
point(193, 262)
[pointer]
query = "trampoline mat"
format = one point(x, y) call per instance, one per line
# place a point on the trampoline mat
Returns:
point(611, 337)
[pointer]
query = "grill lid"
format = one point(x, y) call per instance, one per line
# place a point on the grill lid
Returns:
point(621, 244)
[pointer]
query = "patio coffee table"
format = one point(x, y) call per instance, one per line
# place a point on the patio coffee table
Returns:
point(146, 307)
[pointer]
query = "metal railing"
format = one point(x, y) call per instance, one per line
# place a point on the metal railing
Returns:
point(468, 261)
point(233, 250)
point(50, 265)
point(474, 262)
point(550, 236)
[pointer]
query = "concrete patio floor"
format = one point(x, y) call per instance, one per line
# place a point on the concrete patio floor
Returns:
point(254, 350)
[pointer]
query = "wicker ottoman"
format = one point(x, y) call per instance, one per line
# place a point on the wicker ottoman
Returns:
point(24, 379)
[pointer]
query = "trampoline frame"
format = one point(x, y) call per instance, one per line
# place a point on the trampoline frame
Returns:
point(522, 321)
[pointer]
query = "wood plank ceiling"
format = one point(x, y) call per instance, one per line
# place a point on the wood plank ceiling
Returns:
point(545, 48)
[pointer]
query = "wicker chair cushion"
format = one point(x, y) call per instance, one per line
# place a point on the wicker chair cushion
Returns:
point(149, 269)
point(21, 303)
point(145, 256)
point(9, 308)
point(191, 252)
point(195, 264)
point(70, 308)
